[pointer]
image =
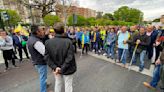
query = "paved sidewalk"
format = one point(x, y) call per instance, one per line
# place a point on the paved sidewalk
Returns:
point(148, 72)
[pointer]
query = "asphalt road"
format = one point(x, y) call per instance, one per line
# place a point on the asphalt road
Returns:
point(93, 75)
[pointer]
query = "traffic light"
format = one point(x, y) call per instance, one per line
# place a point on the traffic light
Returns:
point(4, 16)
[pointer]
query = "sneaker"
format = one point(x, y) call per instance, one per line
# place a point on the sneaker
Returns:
point(93, 50)
point(148, 85)
point(104, 54)
point(140, 69)
point(6, 69)
point(15, 66)
point(48, 85)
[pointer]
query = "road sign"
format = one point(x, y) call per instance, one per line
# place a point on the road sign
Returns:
point(4, 16)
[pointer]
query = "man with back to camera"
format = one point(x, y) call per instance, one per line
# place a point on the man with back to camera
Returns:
point(60, 57)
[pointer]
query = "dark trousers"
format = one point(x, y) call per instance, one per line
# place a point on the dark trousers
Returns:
point(20, 52)
point(150, 52)
point(79, 43)
point(75, 47)
point(8, 55)
point(92, 45)
point(86, 47)
point(102, 44)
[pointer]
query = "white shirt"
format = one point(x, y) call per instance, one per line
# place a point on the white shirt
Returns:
point(6, 44)
point(40, 47)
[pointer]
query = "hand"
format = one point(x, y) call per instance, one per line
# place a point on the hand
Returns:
point(124, 41)
point(157, 43)
point(57, 71)
point(154, 44)
point(138, 42)
point(158, 62)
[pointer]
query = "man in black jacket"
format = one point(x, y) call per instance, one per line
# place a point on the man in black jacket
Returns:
point(143, 41)
point(60, 57)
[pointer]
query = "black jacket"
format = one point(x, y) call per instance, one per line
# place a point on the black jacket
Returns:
point(145, 41)
point(60, 53)
point(37, 58)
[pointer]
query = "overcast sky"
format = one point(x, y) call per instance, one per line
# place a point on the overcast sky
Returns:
point(151, 8)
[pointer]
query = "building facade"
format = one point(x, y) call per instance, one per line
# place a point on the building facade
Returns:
point(23, 11)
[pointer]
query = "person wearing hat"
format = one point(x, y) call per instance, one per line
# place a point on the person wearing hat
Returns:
point(20, 43)
point(51, 33)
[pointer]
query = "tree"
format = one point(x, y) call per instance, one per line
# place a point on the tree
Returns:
point(49, 19)
point(14, 18)
point(81, 21)
point(108, 16)
point(45, 6)
point(127, 14)
point(91, 21)
point(156, 20)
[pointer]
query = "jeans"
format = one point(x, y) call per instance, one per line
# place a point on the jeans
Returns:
point(156, 76)
point(67, 79)
point(111, 50)
point(130, 51)
point(122, 54)
point(96, 46)
point(142, 57)
point(42, 70)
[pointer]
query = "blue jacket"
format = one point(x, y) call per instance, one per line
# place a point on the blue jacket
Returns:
point(17, 42)
point(98, 36)
point(153, 37)
point(86, 38)
point(111, 38)
point(79, 34)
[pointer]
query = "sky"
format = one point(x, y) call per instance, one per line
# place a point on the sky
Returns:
point(151, 8)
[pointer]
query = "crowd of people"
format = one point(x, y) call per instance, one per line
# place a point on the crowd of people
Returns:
point(56, 47)
point(120, 43)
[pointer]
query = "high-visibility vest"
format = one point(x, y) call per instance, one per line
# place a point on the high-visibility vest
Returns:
point(83, 41)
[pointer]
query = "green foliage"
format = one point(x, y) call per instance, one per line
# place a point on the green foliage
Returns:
point(14, 18)
point(91, 21)
point(127, 14)
point(156, 20)
point(49, 19)
point(108, 16)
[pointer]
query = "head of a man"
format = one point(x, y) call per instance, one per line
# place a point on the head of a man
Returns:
point(149, 28)
point(132, 28)
point(38, 31)
point(123, 29)
point(142, 31)
point(59, 28)
point(3, 33)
